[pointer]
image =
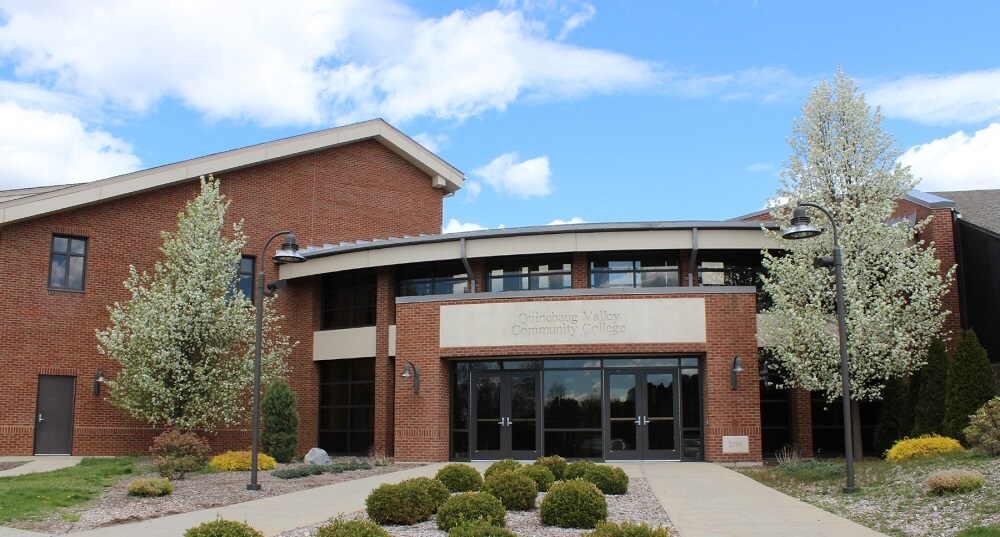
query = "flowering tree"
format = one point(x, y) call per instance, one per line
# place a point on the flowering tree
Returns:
point(185, 338)
point(843, 161)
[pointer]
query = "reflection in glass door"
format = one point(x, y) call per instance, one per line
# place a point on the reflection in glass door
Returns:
point(505, 415)
point(642, 414)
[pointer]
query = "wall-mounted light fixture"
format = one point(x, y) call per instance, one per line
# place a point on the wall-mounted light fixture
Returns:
point(734, 379)
point(98, 380)
point(411, 370)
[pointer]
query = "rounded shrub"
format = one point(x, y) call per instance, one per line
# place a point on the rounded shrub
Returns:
point(983, 432)
point(515, 490)
point(400, 504)
point(541, 475)
point(279, 435)
point(506, 465)
point(470, 506)
point(928, 445)
point(573, 504)
point(460, 477)
point(576, 469)
point(954, 481)
point(479, 528)
point(555, 464)
point(176, 453)
point(152, 487)
point(223, 528)
point(352, 528)
point(609, 479)
point(295, 472)
point(239, 461)
point(626, 529)
point(434, 488)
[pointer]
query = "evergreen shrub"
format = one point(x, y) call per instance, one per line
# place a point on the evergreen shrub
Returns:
point(928, 407)
point(479, 528)
point(223, 528)
point(279, 435)
point(983, 432)
point(401, 504)
point(434, 488)
point(609, 479)
point(515, 490)
point(148, 488)
point(555, 464)
point(460, 477)
point(970, 384)
point(506, 465)
point(626, 529)
point(576, 469)
point(540, 474)
point(352, 528)
point(239, 461)
point(928, 445)
point(176, 453)
point(890, 418)
point(470, 506)
point(573, 504)
point(954, 481)
point(295, 472)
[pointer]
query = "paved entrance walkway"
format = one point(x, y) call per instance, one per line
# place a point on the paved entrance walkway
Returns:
point(45, 463)
point(703, 500)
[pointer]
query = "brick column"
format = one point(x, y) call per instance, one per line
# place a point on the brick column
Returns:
point(385, 308)
point(581, 271)
point(800, 402)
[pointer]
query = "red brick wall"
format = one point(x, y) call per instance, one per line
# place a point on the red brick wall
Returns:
point(422, 419)
point(358, 191)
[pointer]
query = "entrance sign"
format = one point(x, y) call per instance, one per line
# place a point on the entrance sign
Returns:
point(660, 320)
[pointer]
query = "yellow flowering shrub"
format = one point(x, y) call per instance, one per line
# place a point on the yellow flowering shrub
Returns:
point(928, 445)
point(239, 461)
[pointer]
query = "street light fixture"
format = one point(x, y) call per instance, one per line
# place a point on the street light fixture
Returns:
point(803, 229)
point(287, 254)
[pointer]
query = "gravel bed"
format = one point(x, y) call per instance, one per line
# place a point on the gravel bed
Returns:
point(638, 505)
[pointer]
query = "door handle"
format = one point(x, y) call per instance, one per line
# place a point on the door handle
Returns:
point(40, 418)
point(645, 421)
point(508, 421)
point(638, 420)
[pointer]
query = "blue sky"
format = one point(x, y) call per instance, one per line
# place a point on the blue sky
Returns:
point(555, 110)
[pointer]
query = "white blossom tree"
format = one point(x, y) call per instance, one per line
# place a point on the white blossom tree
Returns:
point(842, 160)
point(185, 337)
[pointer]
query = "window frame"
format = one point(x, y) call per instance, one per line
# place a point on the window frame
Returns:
point(637, 267)
point(532, 274)
point(69, 255)
point(361, 281)
point(436, 274)
point(252, 277)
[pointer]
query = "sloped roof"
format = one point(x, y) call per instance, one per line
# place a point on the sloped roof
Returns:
point(980, 207)
point(27, 203)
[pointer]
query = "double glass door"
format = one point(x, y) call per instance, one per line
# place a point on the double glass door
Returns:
point(505, 411)
point(642, 414)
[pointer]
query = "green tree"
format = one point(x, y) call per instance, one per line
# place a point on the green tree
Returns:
point(970, 384)
point(890, 420)
point(842, 160)
point(928, 412)
point(185, 337)
point(279, 436)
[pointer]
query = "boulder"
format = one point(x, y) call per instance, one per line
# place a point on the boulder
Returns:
point(317, 456)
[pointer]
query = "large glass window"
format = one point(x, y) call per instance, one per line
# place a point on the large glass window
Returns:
point(347, 406)
point(736, 268)
point(68, 263)
point(244, 277)
point(519, 274)
point(444, 278)
point(573, 413)
point(634, 269)
point(348, 299)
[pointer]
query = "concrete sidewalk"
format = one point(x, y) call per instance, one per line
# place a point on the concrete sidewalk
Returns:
point(44, 463)
point(702, 500)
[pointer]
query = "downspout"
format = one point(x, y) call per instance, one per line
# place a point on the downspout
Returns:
point(694, 256)
point(468, 268)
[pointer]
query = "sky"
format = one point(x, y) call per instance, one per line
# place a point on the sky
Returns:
point(557, 111)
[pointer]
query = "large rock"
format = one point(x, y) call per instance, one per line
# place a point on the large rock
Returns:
point(317, 456)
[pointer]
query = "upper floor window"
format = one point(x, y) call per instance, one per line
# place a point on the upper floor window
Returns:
point(68, 264)
point(518, 274)
point(634, 269)
point(444, 278)
point(348, 299)
point(737, 268)
point(244, 277)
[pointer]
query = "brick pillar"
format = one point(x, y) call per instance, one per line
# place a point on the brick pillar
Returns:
point(800, 402)
point(581, 271)
point(479, 274)
point(385, 378)
point(941, 231)
point(421, 431)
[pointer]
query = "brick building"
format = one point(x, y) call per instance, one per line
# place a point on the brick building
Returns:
point(614, 341)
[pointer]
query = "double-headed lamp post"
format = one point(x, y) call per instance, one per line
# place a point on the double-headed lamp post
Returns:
point(803, 229)
point(287, 254)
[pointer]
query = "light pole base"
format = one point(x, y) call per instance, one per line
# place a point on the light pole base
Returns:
point(850, 490)
point(253, 486)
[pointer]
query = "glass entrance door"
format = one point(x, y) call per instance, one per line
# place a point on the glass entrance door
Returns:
point(505, 415)
point(642, 418)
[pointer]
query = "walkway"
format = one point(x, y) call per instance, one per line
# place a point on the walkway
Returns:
point(703, 500)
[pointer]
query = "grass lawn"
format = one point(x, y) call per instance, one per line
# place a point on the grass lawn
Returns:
point(31, 496)
point(892, 497)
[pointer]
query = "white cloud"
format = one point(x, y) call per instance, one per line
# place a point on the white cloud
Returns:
point(574, 220)
point(971, 97)
point(309, 62)
point(764, 84)
point(472, 189)
point(40, 148)
point(760, 167)
point(578, 19)
point(523, 179)
point(433, 142)
point(958, 162)
point(454, 226)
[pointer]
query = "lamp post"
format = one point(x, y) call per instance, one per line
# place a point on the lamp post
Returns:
point(803, 229)
point(287, 254)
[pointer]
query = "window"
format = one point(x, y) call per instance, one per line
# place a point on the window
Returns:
point(348, 299)
point(733, 268)
point(447, 278)
point(347, 406)
point(634, 269)
point(244, 277)
point(519, 274)
point(67, 267)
